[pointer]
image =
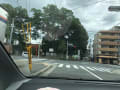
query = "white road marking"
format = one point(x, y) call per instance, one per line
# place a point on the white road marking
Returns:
point(107, 70)
point(75, 67)
point(49, 71)
point(91, 73)
point(67, 66)
point(49, 61)
point(102, 69)
point(98, 69)
point(60, 65)
point(91, 69)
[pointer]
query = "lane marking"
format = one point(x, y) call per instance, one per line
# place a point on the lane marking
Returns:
point(91, 73)
point(91, 69)
point(98, 69)
point(48, 72)
point(67, 66)
point(75, 67)
point(102, 69)
point(49, 61)
point(60, 65)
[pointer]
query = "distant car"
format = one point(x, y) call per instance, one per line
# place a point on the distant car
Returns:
point(25, 54)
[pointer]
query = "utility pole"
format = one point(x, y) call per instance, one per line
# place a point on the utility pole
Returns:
point(11, 33)
point(38, 50)
point(67, 51)
point(66, 37)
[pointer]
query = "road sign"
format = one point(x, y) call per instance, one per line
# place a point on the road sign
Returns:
point(114, 8)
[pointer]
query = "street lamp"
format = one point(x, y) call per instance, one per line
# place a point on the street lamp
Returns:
point(66, 37)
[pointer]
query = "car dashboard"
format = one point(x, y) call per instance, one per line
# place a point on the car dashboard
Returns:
point(59, 84)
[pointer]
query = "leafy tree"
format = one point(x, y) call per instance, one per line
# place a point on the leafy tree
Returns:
point(78, 36)
point(58, 23)
point(37, 22)
point(52, 20)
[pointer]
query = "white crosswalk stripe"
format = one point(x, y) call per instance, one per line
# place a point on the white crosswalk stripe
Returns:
point(60, 65)
point(90, 68)
point(67, 66)
point(99, 69)
point(75, 66)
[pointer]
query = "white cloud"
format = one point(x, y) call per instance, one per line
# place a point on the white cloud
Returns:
point(93, 14)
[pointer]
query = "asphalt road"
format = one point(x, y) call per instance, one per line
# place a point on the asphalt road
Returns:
point(75, 69)
point(82, 70)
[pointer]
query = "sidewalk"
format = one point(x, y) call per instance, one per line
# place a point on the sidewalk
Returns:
point(36, 68)
point(23, 67)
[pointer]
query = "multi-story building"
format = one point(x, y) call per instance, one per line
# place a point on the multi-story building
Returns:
point(106, 47)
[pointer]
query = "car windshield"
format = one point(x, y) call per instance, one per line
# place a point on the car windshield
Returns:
point(75, 39)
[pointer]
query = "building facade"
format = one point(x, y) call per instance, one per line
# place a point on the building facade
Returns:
point(106, 47)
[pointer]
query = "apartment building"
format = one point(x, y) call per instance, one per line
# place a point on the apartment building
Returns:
point(106, 47)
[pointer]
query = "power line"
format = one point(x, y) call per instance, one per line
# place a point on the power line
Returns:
point(29, 7)
point(61, 3)
point(26, 5)
point(55, 2)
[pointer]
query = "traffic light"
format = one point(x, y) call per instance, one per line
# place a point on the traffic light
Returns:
point(74, 46)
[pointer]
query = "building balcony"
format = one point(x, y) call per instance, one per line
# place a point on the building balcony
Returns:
point(107, 57)
point(108, 49)
point(108, 31)
point(109, 37)
point(108, 54)
point(109, 43)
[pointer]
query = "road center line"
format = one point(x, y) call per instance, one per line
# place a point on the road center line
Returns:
point(91, 73)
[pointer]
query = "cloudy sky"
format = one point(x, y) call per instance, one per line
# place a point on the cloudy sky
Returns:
point(93, 14)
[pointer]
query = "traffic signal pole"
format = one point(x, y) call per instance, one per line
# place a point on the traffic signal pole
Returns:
point(27, 39)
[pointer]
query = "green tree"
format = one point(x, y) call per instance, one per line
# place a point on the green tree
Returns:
point(58, 23)
point(78, 36)
point(37, 22)
point(52, 20)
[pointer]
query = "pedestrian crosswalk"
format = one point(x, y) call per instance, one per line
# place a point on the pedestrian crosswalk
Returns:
point(76, 67)
point(60, 65)
point(67, 66)
point(91, 68)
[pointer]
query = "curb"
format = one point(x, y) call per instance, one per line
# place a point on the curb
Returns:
point(42, 71)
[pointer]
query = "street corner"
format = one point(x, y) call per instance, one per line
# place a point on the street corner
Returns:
point(46, 68)
point(46, 64)
point(20, 64)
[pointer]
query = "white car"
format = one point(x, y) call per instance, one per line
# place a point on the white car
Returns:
point(25, 54)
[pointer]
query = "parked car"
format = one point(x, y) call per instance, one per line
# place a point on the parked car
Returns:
point(25, 54)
